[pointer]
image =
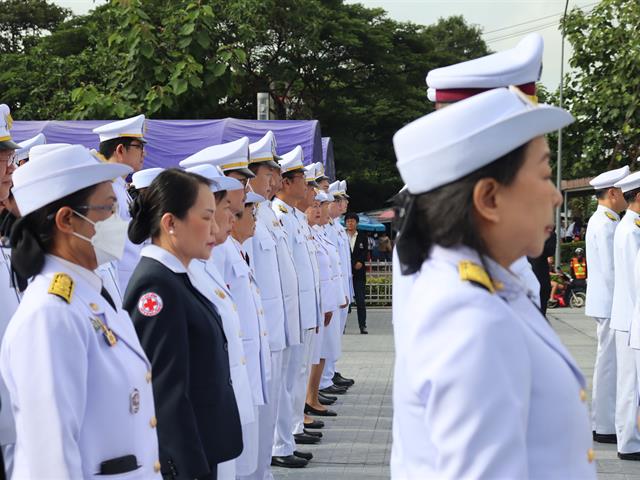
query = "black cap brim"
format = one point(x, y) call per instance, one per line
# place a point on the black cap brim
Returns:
point(9, 145)
point(244, 171)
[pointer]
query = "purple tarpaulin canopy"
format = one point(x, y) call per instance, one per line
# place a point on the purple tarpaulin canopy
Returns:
point(170, 141)
point(327, 158)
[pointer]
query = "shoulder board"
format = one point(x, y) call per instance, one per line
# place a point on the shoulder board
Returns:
point(474, 273)
point(637, 222)
point(283, 209)
point(610, 216)
point(62, 286)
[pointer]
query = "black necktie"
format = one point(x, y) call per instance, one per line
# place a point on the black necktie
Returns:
point(246, 258)
point(107, 297)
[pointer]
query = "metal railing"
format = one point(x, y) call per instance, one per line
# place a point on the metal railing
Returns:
point(379, 281)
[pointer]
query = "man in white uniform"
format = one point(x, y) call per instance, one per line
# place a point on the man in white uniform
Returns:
point(293, 190)
point(626, 243)
point(599, 243)
point(123, 142)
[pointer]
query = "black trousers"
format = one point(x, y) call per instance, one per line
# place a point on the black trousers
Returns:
point(358, 290)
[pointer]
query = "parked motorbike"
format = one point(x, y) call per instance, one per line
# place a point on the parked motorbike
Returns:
point(574, 294)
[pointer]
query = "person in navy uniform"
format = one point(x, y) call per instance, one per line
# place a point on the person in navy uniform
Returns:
point(78, 378)
point(180, 329)
point(483, 388)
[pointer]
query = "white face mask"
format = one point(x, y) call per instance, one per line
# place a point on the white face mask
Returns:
point(109, 239)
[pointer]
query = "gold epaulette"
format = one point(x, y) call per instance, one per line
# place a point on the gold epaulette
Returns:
point(637, 222)
point(62, 286)
point(611, 216)
point(474, 273)
point(283, 209)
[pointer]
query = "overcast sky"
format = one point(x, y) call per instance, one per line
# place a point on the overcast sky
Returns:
point(504, 22)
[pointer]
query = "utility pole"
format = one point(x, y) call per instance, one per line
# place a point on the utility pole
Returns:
point(559, 164)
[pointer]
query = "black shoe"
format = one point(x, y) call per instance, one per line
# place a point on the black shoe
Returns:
point(325, 401)
point(309, 410)
point(629, 456)
point(605, 437)
point(337, 377)
point(306, 455)
point(304, 439)
point(363, 331)
point(290, 461)
point(326, 397)
point(334, 390)
point(313, 434)
point(314, 424)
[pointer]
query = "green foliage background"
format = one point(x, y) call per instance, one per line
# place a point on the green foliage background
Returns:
point(360, 73)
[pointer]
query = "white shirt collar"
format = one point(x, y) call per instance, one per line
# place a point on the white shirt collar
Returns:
point(165, 257)
point(607, 209)
point(91, 277)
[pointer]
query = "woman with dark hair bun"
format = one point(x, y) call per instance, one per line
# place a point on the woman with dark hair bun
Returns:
point(78, 379)
point(180, 329)
point(484, 388)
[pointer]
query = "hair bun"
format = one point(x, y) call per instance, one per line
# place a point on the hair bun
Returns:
point(140, 226)
point(27, 255)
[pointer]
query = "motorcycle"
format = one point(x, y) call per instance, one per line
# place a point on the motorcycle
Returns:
point(574, 294)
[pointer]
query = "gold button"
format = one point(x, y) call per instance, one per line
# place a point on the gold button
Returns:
point(590, 455)
point(156, 466)
point(153, 422)
point(244, 361)
point(240, 334)
point(583, 395)
point(94, 307)
point(261, 312)
point(264, 334)
point(148, 376)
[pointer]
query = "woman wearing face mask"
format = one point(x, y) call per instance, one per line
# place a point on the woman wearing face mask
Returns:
point(180, 329)
point(484, 387)
point(78, 378)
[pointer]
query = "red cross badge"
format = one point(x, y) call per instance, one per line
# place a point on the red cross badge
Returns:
point(150, 304)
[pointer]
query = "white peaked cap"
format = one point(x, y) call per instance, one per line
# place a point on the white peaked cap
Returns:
point(320, 173)
point(231, 156)
point(6, 122)
point(310, 174)
point(55, 173)
point(45, 148)
point(133, 127)
point(334, 188)
point(143, 178)
point(610, 178)
point(27, 145)
point(218, 181)
point(343, 188)
point(630, 182)
point(452, 142)
point(253, 197)
point(324, 197)
point(264, 150)
point(520, 65)
point(293, 160)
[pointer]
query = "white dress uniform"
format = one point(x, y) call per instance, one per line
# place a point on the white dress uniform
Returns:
point(522, 268)
point(9, 299)
point(267, 272)
point(599, 245)
point(485, 356)
point(206, 278)
point(332, 341)
point(626, 243)
point(131, 256)
point(338, 236)
point(284, 444)
point(78, 401)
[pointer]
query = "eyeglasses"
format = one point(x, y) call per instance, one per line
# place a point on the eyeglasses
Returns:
point(8, 156)
point(137, 145)
point(113, 209)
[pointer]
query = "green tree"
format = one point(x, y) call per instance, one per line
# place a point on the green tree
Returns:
point(23, 20)
point(603, 91)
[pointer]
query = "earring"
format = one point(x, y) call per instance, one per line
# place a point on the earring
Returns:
point(171, 232)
